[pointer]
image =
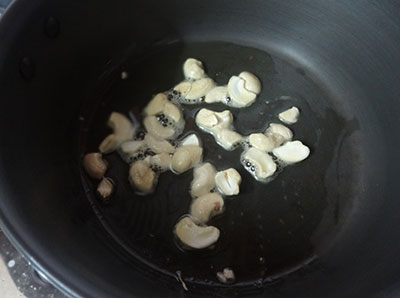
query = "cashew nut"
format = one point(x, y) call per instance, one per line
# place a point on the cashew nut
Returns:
point(227, 139)
point(185, 157)
point(228, 182)
point(227, 276)
point(208, 120)
point(203, 180)
point(122, 131)
point(142, 177)
point(219, 125)
point(158, 145)
point(279, 133)
point(251, 82)
point(105, 188)
point(129, 149)
point(160, 162)
point(241, 97)
point(262, 142)
point(292, 152)
point(193, 69)
point(94, 165)
point(258, 163)
point(195, 236)
point(156, 105)
point(217, 94)
point(290, 116)
point(172, 112)
point(206, 206)
point(191, 139)
point(154, 127)
point(183, 88)
point(200, 88)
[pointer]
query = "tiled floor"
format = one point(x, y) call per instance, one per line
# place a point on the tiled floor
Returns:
point(7, 286)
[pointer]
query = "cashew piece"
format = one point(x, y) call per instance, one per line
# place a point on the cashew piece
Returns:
point(279, 133)
point(158, 145)
point(262, 142)
point(160, 162)
point(94, 165)
point(185, 157)
point(203, 180)
point(193, 69)
point(228, 182)
point(154, 127)
point(191, 139)
point(206, 206)
point(105, 188)
point(241, 97)
point(156, 105)
point(129, 149)
point(195, 236)
point(142, 177)
point(251, 82)
point(217, 94)
point(258, 163)
point(122, 131)
point(290, 116)
point(292, 152)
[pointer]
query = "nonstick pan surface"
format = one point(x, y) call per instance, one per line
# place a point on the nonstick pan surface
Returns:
point(269, 229)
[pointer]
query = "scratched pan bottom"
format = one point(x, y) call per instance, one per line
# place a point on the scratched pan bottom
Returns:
point(268, 230)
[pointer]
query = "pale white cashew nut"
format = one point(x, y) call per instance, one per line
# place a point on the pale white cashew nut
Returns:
point(156, 105)
point(191, 139)
point(200, 88)
point(142, 177)
point(279, 133)
point(193, 69)
point(252, 83)
point(183, 88)
point(196, 236)
point(153, 126)
point(205, 207)
point(203, 180)
point(292, 152)
point(129, 149)
point(94, 165)
point(208, 120)
point(161, 162)
point(217, 94)
point(262, 142)
point(122, 131)
point(105, 188)
point(263, 164)
point(228, 182)
point(172, 112)
point(227, 138)
point(289, 116)
point(158, 145)
point(220, 126)
point(185, 157)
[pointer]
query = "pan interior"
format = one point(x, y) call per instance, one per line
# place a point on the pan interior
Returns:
point(268, 230)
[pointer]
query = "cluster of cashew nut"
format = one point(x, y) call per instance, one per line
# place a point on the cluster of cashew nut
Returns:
point(158, 150)
point(241, 91)
point(208, 188)
point(93, 162)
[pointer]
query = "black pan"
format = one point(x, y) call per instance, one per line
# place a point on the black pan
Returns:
point(324, 227)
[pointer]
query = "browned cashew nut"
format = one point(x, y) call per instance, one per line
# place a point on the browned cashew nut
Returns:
point(105, 188)
point(94, 165)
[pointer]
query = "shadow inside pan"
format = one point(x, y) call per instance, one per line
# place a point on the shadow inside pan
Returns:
point(268, 230)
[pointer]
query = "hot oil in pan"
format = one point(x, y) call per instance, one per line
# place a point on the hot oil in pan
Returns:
point(267, 230)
